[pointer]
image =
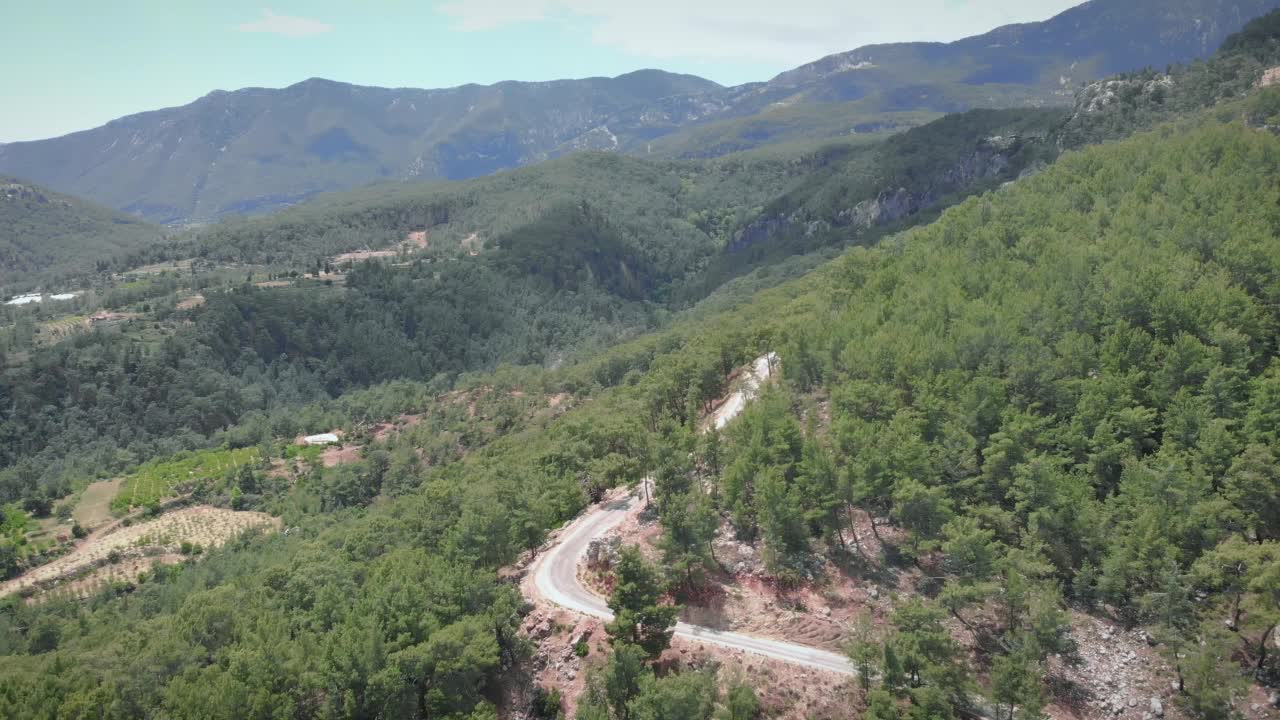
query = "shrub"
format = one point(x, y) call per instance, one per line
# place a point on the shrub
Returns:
point(546, 704)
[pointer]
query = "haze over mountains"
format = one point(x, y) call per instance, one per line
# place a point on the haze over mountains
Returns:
point(257, 149)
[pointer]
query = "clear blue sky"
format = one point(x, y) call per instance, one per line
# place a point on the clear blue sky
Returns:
point(75, 64)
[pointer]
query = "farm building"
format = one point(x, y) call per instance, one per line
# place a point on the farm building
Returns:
point(321, 439)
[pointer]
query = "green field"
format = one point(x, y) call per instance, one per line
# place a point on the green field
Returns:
point(162, 478)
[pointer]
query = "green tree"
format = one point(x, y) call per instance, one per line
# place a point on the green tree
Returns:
point(688, 695)
point(740, 703)
point(640, 618)
point(624, 675)
point(922, 511)
point(1015, 686)
point(1252, 486)
point(689, 528)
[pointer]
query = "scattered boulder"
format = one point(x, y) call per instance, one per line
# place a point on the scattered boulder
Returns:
point(1157, 707)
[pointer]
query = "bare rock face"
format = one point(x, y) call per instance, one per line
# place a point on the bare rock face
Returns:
point(603, 552)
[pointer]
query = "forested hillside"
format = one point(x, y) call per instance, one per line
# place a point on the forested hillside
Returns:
point(570, 256)
point(45, 234)
point(1060, 392)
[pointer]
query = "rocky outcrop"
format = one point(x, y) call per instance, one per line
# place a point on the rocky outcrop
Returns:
point(1098, 96)
point(992, 158)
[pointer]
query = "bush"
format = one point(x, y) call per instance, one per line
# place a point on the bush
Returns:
point(78, 531)
point(582, 649)
point(546, 704)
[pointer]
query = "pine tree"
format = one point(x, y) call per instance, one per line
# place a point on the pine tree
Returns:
point(639, 616)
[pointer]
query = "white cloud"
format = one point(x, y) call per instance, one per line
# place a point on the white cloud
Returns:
point(794, 31)
point(285, 25)
point(489, 14)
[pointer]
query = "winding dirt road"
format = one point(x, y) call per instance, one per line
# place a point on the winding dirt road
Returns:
point(555, 578)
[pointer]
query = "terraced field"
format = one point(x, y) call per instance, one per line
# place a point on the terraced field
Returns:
point(140, 545)
point(55, 330)
point(157, 480)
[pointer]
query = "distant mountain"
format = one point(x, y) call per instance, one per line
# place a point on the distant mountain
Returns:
point(258, 149)
point(44, 234)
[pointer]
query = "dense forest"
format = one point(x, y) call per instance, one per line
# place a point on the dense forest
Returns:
point(46, 235)
point(1060, 396)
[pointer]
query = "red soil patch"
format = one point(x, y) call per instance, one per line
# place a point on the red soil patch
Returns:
point(417, 239)
point(336, 455)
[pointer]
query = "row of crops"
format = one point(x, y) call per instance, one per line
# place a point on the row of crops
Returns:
point(178, 474)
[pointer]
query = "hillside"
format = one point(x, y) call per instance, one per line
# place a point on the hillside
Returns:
point(540, 265)
point(257, 149)
point(45, 234)
point(1054, 408)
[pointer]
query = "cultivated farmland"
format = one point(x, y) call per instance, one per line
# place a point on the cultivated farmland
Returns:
point(160, 479)
point(140, 545)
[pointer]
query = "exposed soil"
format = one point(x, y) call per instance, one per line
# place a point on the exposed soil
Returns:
point(336, 455)
point(1118, 676)
point(786, 691)
point(191, 302)
point(363, 255)
point(417, 239)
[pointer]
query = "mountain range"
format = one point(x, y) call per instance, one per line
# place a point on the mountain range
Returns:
point(256, 149)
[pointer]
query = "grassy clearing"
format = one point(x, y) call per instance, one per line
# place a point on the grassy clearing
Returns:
point(161, 479)
point(94, 507)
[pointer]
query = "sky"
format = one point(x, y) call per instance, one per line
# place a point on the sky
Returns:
point(75, 64)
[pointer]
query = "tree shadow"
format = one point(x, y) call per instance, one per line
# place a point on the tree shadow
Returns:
point(1071, 695)
point(707, 606)
point(860, 568)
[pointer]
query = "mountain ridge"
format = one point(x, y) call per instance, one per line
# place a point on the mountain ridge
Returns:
point(259, 149)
